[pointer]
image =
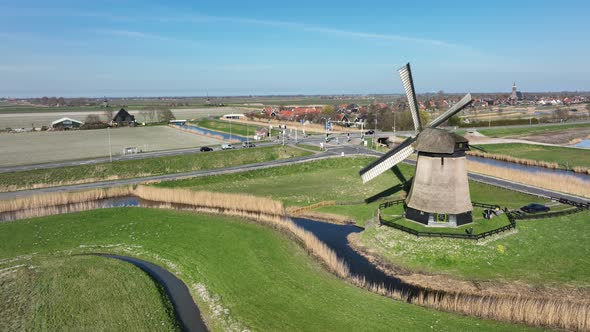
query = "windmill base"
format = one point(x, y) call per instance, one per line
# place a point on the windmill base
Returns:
point(430, 219)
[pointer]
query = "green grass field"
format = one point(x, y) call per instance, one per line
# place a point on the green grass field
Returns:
point(555, 249)
point(309, 147)
point(524, 131)
point(146, 167)
point(338, 180)
point(236, 127)
point(565, 157)
point(75, 293)
point(264, 280)
point(333, 179)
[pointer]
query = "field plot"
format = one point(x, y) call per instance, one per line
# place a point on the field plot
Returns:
point(43, 147)
point(27, 118)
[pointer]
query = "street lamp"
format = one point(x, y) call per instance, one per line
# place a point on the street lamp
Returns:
point(110, 147)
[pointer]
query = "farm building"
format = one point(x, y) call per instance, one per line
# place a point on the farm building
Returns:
point(66, 123)
point(123, 118)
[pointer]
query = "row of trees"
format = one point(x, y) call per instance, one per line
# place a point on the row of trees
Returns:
point(93, 121)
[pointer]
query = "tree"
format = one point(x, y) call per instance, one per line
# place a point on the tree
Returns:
point(109, 113)
point(165, 115)
point(329, 111)
point(92, 119)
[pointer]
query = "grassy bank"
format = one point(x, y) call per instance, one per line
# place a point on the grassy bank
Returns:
point(564, 157)
point(554, 248)
point(332, 180)
point(530, 130)
point(237, 128)
point(74, 293)
point(243, 275)
point(338, 180)
point(143, 167)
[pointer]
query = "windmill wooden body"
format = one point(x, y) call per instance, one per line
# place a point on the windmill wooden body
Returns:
point(439, 195)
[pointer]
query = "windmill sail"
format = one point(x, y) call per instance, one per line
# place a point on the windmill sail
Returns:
point(388, 160)
point(464, 102)
point(406, 75)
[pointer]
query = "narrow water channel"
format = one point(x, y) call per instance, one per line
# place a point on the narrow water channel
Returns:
point(334, 236)
point(530, 169)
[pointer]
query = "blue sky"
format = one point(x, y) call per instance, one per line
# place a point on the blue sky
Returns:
point(151, 48)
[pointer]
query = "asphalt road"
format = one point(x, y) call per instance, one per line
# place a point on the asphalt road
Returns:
point(186, 311)
point(334, 151)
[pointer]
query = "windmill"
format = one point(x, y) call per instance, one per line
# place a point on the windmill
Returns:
point(439, 195)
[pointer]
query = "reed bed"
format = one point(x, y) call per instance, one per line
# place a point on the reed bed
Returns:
point(524, 161)
point(62, 198)
point(207, 199)
point(557, 182)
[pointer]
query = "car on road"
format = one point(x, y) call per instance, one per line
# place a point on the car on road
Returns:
point(248, 145)
point(534, 208)
point(227, 147)
point(206, 149)
point(369, 132)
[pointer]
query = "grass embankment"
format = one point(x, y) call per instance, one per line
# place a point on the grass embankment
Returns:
point(333, 179)
point(265, 281)
point(237, 128)
point(74, 293)
point(393, 215)
point(309, 147)
point(338, 180)
point(563, 157)
point(530, 130)
point(143, 167)
point(555, 249)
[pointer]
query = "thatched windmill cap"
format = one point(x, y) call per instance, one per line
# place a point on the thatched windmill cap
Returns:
point(434, 140)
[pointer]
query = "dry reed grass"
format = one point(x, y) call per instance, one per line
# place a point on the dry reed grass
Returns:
point(62, 198)
point(557, 182)
point(207, 199)
point(533, 311)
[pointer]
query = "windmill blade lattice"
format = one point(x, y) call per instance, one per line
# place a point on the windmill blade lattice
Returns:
point(406, 75)
point(464, 102)
point(388, 160)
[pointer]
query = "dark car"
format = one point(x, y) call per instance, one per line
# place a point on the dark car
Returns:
point(369, 132)
point(534, 208)
point(248, 145)
point(206, 148)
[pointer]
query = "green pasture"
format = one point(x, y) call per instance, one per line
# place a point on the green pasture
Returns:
point(262, 280)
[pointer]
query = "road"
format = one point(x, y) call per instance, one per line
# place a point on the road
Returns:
point(333, 151)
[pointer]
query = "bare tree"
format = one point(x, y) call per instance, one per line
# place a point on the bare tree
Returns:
point(165, 115)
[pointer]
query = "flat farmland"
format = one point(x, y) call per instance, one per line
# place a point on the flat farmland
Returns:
point(38, 118)
point(43, 147)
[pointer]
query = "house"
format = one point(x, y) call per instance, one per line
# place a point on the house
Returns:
point(66, 123)
point(123, 118)
point(261, 133)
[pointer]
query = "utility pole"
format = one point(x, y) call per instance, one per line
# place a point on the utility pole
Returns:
point(110, 147)
point(230, 129)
